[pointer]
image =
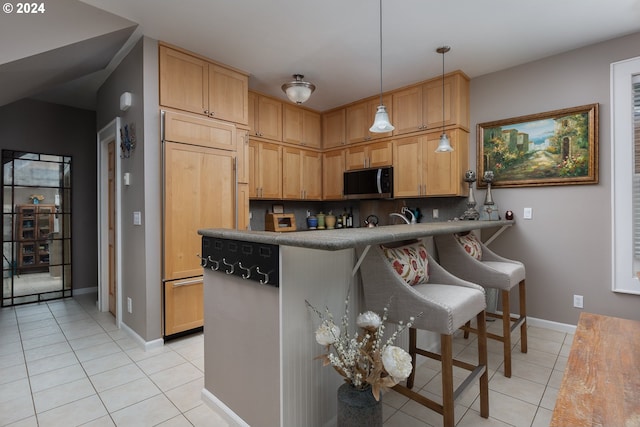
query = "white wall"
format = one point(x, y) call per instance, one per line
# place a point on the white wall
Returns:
point(566, 248)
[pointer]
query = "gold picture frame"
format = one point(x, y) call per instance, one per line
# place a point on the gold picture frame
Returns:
point(557, 147)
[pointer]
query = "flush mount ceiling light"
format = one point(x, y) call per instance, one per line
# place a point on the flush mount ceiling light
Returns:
point(444, 146)
point(298, 90)
point(381, 123)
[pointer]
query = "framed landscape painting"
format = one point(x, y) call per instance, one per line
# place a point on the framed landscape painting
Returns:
point(554, 148)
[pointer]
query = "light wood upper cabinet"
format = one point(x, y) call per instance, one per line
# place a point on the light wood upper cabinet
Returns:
point(301, 126)
point(360, 117)
point(228, 95)
point(334, 128)
point(197, 130)
point(301, 174)
point(265, 170)
point(191, 83)
point(419, 171)
point(265, 117)
point(333, 167)
point(419, 108)
point(372, 155)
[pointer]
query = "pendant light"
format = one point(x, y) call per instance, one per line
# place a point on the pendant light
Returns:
point(298, 90)
point(381, 123)
point(444, 146)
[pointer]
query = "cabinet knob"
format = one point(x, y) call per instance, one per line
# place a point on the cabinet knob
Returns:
point(206, 111)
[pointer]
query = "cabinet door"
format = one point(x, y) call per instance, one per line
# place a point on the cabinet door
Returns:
point(254, 171)
point(243, 207)
point(356, 157)
point(407, 167)
point(292, 126)
point(197, 130)
point(444, 171)
point(291, 173)
point(456, 102)
point(311, 129)
point(199, 192)
point(269, 118)
point(311, 175)
point(242, 150)
point(270, 170)
point(333, 128)
point(184, 81)
point(380, 154)
point(407, 110)
point(358, 122)
point(333, 167)
point(183, 305)
point(228, 91)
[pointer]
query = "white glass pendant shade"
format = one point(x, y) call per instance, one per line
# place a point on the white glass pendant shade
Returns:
point(444, 146)
point(381, 123)
point(298, 91)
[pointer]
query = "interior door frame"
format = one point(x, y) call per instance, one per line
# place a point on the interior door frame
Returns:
point(105, 135)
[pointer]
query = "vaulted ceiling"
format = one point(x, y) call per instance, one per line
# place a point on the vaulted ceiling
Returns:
point(334, 43)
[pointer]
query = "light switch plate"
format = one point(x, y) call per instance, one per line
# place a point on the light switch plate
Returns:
point(528, 213)
point(137, 218)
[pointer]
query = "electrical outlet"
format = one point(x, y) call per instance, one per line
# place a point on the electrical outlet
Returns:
point(578, 301)
point(436, 214)
point(129, 305)
point(528, 213)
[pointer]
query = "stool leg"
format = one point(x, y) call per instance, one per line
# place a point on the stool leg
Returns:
point(412, 351)
point(523, 313)
point(446, 342)
point(483, 360)
point(506, 333)
point(466, 331)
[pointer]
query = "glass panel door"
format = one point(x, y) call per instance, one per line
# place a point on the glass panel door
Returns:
point(36, 236)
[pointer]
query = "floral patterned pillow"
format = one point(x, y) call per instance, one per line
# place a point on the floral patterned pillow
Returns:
point(470, 244)
point(410, 262)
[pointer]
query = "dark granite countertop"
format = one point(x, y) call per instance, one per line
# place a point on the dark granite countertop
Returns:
point(344, 238)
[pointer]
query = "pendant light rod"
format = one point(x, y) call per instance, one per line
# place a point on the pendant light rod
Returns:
point(381, 123)
point(380, 52)
point(445, 145)
point(443, 50)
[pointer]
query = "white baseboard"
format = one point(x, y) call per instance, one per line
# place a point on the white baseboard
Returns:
point(82, 291)
point(146, 345)
point(222, 410)
point(554, 326)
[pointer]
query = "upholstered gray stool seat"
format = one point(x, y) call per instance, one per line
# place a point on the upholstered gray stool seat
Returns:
point(490, 271)
point(442, 305)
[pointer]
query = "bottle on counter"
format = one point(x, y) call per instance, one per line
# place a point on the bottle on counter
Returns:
point(350, 218)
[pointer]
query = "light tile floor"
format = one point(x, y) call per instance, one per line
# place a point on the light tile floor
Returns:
point(63, 363)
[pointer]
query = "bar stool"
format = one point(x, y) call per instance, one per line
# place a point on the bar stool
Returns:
point(468, 258)
point(446, 303)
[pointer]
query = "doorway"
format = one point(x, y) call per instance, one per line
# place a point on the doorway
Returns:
point(36, 237)
point(109, 234)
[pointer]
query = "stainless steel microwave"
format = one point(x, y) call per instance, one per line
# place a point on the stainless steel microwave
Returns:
point(374, 183)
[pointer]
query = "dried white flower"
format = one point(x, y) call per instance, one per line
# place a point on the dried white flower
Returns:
point(369, 320)
point(397, 362)
point(328, 333)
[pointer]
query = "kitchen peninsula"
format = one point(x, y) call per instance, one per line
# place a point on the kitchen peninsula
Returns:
point(259, 335)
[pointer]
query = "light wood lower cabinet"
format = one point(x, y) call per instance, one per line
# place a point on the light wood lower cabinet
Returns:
point(419, 171)
point(183, 305)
